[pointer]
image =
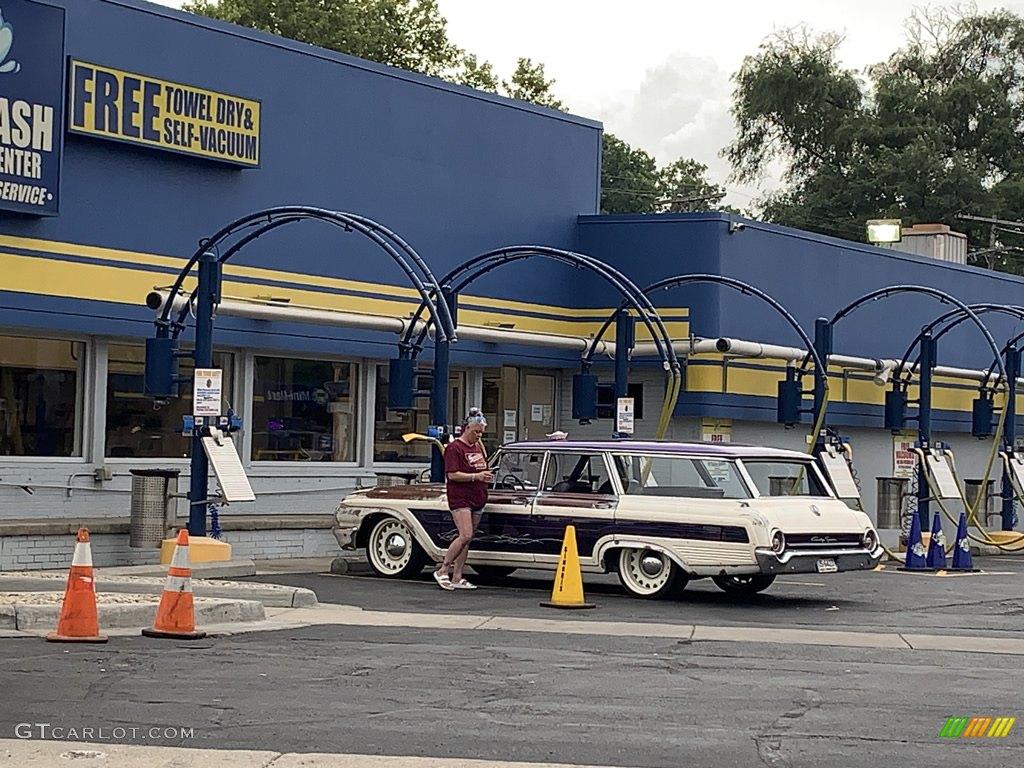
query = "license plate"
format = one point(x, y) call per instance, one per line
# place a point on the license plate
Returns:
point(827, 566)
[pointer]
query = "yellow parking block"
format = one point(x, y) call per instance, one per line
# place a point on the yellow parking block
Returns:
point(201, 549)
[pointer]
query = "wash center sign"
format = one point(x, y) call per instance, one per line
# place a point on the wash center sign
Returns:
point(112, 104)
point(31, 106)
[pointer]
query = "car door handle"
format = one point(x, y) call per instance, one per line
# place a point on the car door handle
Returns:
point(521, 501)
point(603, 505)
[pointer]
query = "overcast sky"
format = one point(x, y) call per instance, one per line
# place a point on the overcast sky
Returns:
point(657, 72)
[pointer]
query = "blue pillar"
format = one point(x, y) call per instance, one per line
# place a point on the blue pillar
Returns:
point(207, 296)
point(439, 393)
point(924, 426)
point(1012, 363)
point(625, 338)
point(823, 346)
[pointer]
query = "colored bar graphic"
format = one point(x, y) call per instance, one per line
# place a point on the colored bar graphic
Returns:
point(976, 727)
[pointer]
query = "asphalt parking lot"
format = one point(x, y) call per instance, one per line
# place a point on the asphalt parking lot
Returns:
point(991, 601)
point(646, 700)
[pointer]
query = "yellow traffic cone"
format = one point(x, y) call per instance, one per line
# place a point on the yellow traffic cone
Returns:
point(567, 591)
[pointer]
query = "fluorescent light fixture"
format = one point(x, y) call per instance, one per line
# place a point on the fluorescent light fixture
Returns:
point(885, 230)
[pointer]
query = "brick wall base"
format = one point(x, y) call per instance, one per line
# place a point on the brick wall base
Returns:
point(53, 551)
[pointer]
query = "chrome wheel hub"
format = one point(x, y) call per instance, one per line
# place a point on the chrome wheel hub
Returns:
point(390, 546)
point(644, 571)
point(396, 545)
point(651, 565)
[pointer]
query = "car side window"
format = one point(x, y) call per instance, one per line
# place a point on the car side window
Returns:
point(577, 473)
point(681, 476)
point(518, 470)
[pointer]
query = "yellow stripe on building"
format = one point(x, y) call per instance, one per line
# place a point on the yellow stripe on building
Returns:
point(133, 259)
point(125, 285)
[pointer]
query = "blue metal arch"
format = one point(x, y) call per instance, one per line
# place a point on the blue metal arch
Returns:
point(423, 281)
point(472, 269)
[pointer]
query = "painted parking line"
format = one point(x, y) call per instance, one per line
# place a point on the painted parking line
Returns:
point(786, 582)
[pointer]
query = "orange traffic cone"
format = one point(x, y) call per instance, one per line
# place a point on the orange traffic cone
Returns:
point(176, 615)
point(567, 591)
point(78, 621)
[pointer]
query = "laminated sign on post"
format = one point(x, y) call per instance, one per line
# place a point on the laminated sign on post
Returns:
point(624, 415)
point(206, 392)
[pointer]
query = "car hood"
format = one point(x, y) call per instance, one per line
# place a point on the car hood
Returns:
point(809, 514)
point(403, 493)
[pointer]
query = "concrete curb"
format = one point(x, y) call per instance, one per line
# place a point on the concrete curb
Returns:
point(29, 618)
point(270, 595)
point(231, 569)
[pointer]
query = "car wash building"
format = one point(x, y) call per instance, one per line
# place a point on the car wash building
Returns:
point(130, 133)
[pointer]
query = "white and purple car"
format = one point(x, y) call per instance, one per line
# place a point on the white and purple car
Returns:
point(658, 514)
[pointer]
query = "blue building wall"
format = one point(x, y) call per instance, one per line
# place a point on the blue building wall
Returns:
point(454, 171)
point(812, 276)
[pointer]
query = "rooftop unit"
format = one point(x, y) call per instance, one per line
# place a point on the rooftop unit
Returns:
point(937, 241)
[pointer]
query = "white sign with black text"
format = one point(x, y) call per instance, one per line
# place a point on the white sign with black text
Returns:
point(624, 415)
point(207, 388)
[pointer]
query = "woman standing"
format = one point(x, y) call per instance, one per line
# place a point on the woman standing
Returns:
point(465, 468)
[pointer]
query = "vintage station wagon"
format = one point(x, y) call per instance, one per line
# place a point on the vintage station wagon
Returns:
point(658, 514)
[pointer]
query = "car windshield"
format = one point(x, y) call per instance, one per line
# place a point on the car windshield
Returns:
point(784, 478)
point(681, 476)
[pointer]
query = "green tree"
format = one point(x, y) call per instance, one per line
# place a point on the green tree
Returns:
point(629, 178)
point(528, 83)
point(931, 133)
point(408, 34)
point(684, 186)
point(631, 182)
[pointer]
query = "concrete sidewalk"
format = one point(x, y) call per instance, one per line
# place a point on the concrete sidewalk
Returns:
point(30, 753)
point(127, 598)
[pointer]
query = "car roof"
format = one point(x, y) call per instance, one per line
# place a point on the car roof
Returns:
point(710, 450)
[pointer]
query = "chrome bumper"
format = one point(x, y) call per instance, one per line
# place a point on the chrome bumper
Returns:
point(807, 562)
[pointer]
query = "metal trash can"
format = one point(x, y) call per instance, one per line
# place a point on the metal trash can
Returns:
point(889, 502)
point(154, 506)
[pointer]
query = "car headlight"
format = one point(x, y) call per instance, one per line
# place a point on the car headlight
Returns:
point(869, 540)
point(778, 542)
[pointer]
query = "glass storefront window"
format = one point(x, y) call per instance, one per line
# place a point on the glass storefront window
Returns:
point(389, 425)
point(136, 426)
point(304, 410)
point(39, 396)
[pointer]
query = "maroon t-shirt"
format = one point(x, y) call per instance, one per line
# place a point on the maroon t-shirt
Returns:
point(460, 457)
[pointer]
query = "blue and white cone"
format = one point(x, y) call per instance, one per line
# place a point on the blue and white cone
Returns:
point(937, 546)
point(915, 560)
point(962, 559)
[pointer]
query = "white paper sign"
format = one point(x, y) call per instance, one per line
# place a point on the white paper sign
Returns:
point(904, 460)
point(207, 387)
point(624, 415)
point(536, 412)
